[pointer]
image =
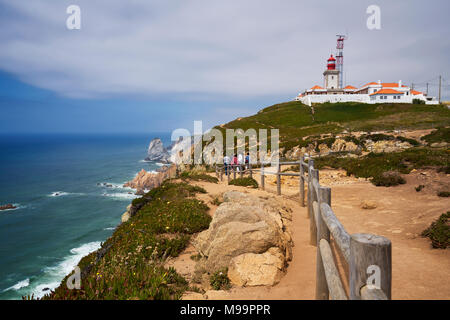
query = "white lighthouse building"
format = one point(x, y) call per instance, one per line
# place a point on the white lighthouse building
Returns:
point(331, 75)
point(372, 92)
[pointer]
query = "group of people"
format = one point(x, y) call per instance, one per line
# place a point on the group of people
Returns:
point(237, 160)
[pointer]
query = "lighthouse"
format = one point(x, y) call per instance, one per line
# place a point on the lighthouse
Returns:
point(331, 75)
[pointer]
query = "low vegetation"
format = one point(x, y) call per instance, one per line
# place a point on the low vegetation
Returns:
point(384, 168)
point(194, 176)
point(444, 194)
point(439, 232)
point(244, 182)
point(439, 135)
point(219, 280)
point(129, 264)
point(295, 122)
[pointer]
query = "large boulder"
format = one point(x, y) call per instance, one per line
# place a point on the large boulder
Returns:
point(157, 152)
point(244, 225)
point(251, 269)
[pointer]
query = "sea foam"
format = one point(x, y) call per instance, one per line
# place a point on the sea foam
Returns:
point(54, 275)
point(19, 285)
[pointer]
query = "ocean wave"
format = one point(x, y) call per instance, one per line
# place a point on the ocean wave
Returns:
point(110, 228)
point(54, 275)
point(63, 193)
point(112, 185)
point(121, 196)
point(19, 285)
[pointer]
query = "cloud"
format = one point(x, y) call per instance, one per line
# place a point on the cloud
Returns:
point(195, 49)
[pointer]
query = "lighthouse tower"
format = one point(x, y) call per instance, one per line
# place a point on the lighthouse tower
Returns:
point(331, 75)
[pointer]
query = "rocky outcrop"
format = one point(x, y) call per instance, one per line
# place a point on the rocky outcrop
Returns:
point(157, 152)
point(148, 180)
point(8, 206)
point(127, 215)
point(387, 146)
point(244, 231)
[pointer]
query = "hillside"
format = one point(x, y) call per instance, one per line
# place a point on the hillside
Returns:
point(296, 121)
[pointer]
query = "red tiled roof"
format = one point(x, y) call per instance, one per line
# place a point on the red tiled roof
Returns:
point(391, 85)
point(350, 87)
point(386, 91)
point(415, 93)
point(316, 88)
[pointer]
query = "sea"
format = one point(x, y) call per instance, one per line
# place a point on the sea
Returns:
point(69, 194)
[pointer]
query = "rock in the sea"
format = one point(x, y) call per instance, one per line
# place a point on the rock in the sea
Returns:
point(157, 152)
point(246, 224)
point(7, 207)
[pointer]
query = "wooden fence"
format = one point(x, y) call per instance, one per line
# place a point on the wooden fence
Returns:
point(368, 256)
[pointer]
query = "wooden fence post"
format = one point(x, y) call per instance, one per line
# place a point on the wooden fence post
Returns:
point(250, 169)
point(221, 174)
point(302, 183)
point(234, 172)
point(370, 264)
point(322, 292)
point(229, 173)
point(309, 202)
point(278, 179)
point(241, 171)
point(312, 222)
point(262, 176)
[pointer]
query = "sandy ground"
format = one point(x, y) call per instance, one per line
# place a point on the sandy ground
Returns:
point(401, 213)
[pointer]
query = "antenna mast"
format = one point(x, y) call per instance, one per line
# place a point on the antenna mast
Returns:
point(340, 58)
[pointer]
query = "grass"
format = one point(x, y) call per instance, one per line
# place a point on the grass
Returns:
point(439, 232)
point(439, 135)
point(219, 280)
point(375, 165)
point(130, 263)
point(294, 120)
point(189, 175)
point(244, 182)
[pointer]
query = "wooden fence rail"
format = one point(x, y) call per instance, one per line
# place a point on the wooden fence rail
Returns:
point(369, 257)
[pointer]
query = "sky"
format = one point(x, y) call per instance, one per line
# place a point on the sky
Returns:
point(139, 66)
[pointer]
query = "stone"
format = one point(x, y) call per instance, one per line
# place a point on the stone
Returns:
point(368, 204)
point(8, 206)
point(257, 269)
point(125, 217)
point(246, 224)
point(157, 152)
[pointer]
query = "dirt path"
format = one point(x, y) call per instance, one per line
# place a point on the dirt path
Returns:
point(419, 272)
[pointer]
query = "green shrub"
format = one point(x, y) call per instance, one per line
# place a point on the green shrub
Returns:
point(419, 187)
point(219, 280)
point(374, 165)
point(439, 232)
point(188, 175)
point(440, 135)
point(388, 179)
point(409, 140)
point(443, 194)
point(418, 101)
point(445, 169)
point(244, 182)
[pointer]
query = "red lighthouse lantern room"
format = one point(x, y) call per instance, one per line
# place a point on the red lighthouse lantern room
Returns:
point(331, 63)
